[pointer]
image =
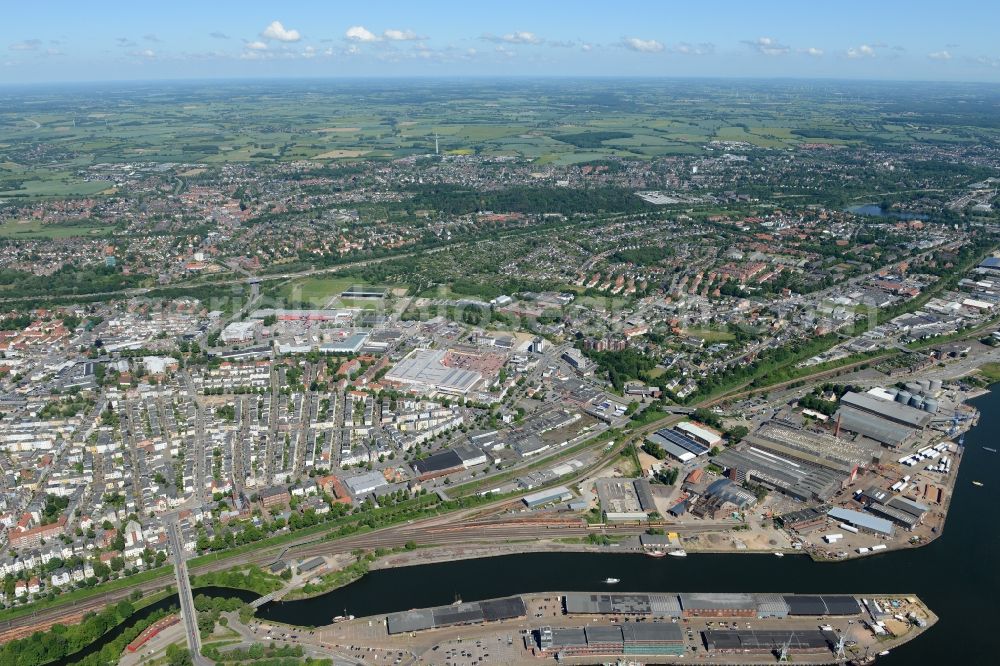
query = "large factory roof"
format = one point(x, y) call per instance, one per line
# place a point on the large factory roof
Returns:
point(888, 409)
point(439, 462)
point(753, 640)
point(813, 447)
point(443, 616)
point(819, 605)
point(680, 440)
point(798, 480)
point(425, 367)
point(872, 426)
point(624, 634)
point(584, 603)
point(718, 601)
point(863, 520)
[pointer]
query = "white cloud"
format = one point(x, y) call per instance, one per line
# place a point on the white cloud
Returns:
point(522, 37)
point(768, 46)
point(863, 51)
point(278, 32)
point(400, 35)
point(519, 37)
point(642, 45)
point(505, 51)
point(256, 46)
point(148, 54)
point(813, 51)
point(26, 45)
point(586, 47)
point(352, 50)
point(684, 48)
point(939, 55)
point(987, 61)
point(359, 33)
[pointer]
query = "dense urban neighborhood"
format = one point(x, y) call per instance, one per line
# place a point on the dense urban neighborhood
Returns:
point(275, 366)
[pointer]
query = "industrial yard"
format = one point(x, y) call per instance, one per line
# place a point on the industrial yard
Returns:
point(579, 627)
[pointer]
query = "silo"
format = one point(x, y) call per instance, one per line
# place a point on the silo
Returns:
point(931, 405)
point(935, 385)
point(916, 401)
point(903, 397)
point(925, 385)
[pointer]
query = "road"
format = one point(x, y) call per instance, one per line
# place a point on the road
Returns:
point(188, 613)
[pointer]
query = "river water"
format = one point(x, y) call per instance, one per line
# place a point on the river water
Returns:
point(145, 612)
point(874, 210)
point(956, 575)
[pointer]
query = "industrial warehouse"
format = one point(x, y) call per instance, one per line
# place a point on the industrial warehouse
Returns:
point(656, 627)
point(736, 604)
point(751, 641)
point(475, 612)
point(626, 639)
point(424, 371)
point(889, 417)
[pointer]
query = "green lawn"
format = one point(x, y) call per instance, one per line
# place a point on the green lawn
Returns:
point(709, 335)
point(991, 371)
point(38, 229)
point(315, 290)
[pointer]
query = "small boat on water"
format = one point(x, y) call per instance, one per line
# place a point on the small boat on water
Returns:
point(611, 581)
point(883, 653)
point(978, 483)
point(986, 448)
point(680, 552)
point(656, 553)
point(778, 553)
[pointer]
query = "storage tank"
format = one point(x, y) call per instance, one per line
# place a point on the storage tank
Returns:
point(903, 397)
point(931, 405)
point(893, 391)
point(925, 384)
point(913, 387)
point(935, 385)
point(916, 401)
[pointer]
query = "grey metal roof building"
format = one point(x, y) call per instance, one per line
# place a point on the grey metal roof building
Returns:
point(657, 638)
point(771, 605)
point(887, 409)
point(543, 497)
point(694, 602)
point(895, 515)
point(795, 479)
point(439, 462)
point(752, 640)
point(872, 426)
point(411, 620)
point(816, 448)
point(679, 446)
point(861, 520)
point(657, 605)
point(491, 610)
point(820, 605)
point(645, 494)
point(425, 369)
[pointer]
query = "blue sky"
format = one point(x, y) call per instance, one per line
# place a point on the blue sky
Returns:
point(62, 40)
